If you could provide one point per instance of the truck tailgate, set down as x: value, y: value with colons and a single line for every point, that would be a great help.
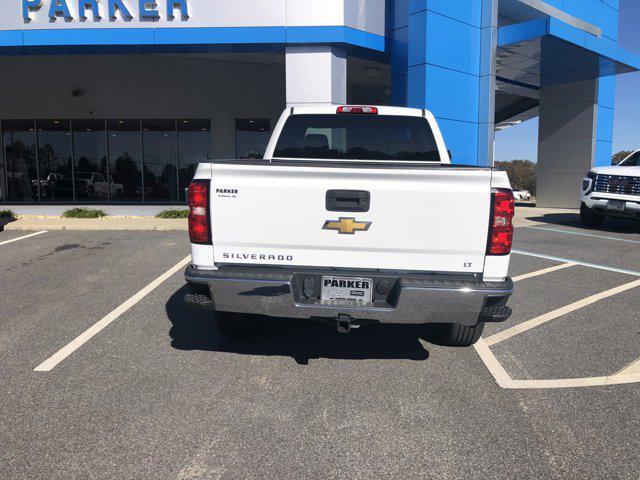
x: 419, y: 219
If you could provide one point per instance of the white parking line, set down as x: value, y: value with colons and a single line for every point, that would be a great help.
x: 547, y: 317
x: 574, y: 382
x: 578, y: 262
x: 23, y: 237
x: 544, y: 271
x: 581, y: 234
x: 632, y: 369
x: 630, y: 374
x: 496, y: 369
x: 50, y: 363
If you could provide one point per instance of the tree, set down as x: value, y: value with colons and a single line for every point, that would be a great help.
x: 618, y: 157
x: 522, y: 174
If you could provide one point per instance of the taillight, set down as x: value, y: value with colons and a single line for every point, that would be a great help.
x: 350, y: 109
x: 501, y: 227
x: 199, y: 231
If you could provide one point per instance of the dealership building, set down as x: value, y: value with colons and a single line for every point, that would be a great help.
x: 116, y: 101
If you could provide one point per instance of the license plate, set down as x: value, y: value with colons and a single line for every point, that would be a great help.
x: 616, y: 205
x: 346, y: 290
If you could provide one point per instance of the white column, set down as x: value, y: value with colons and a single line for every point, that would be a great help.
x: 316, y: 74
x: 567, y: 141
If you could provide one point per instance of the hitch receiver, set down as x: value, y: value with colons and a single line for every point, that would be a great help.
x: 344, y: 323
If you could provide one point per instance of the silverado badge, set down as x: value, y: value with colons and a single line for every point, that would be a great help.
x: 347, y: 226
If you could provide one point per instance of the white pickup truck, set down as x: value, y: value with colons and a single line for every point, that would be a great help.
x: 354, y: 215
x: 611, y: 192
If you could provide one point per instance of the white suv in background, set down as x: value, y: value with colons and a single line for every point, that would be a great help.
x: 611, y: 192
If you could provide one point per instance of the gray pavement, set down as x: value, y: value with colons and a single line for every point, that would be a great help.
x: 609, y: 252
x: 160, y: 393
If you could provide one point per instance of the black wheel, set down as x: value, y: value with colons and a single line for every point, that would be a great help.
x: 236, y: 324
x: 589, y: 218
x: 455, y: 335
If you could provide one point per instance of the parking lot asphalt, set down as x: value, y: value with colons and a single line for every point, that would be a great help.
x: 159, y: 393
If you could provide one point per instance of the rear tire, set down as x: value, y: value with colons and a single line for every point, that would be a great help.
x: 236, y: 324
x: 456, y: 335
x: 589, y: 218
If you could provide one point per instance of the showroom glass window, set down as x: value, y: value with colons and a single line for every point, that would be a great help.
x: 54, y: 160
x: 252, y: 137
x: 113, y: 160
x: 159, y: 145
x: 21, y: 170
x: 125, y: 160
x: 90, y: 160
x: 194, y: 146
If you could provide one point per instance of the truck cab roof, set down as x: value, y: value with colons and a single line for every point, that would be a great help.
x: 325, y: 109
x: 324, y: 131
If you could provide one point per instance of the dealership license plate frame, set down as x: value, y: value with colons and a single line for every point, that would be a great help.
x: 337, y: 295
x: 616, y: 205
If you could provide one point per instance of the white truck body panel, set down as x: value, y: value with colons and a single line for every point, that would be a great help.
x: 424, y: 216
x: 431, y: 219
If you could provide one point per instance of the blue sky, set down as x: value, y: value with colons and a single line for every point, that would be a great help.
x: 521, y: 142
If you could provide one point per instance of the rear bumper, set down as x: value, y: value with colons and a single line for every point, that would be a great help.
x: 407, y: 299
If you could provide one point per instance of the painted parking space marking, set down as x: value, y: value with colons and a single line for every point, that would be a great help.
x: 560, y: 312
x: 582, y: 234
x: 635, y: 273
x: 632, y: 369
x: 630, y: 374
x: 51, y: 362
x: 504, y: 380
x: 627, y: 375
x: 23, y: 237
x: 544, y: 271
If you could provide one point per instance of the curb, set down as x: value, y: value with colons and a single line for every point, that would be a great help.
x: 28, y: 223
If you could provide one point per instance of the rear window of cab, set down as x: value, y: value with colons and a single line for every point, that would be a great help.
x: 357, y: 137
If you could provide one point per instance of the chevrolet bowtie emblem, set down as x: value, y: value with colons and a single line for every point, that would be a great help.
x: 347, y: 226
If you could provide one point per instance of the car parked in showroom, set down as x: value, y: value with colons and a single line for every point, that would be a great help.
x: 611, y: 192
